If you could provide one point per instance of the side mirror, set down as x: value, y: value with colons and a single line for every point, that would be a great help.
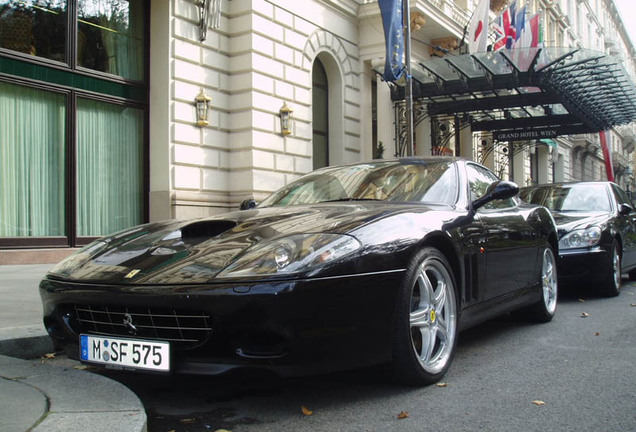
x: 498, y: 190
x: 248, y: 204
x: 624, y: 209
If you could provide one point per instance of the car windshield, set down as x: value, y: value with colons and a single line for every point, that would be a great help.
x: 570, y: 198
x: 430, y: 182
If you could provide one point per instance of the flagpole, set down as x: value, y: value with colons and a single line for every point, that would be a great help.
x: 409, y: 79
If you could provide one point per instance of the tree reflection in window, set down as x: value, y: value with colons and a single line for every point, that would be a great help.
x: 34, y: 27
x: 110, y: 37
x: 425, y: 182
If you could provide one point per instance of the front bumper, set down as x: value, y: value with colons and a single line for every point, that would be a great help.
x: 288, y: 327
x: 587, y: 266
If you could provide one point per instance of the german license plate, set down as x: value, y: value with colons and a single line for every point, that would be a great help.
x: 125, y: 353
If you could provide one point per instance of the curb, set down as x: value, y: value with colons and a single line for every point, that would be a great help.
x: 27, y: 342
x: 47, y: 398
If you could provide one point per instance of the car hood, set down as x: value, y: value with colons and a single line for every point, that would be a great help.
x: 195, y: 251
x: 569, y: 221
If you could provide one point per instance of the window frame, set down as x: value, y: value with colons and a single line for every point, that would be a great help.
x: 70, y: 63
x: 73, y: 81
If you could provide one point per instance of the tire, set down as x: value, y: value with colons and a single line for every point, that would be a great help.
x: 612, y: 284
x: 544, y: 310
x: 425, y: 329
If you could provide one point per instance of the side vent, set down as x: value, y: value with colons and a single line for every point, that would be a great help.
x: 201, y: 231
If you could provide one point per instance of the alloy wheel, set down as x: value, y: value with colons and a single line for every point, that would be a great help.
x: 616, y: 266
x: 549, y: 281
x: 433, y: 316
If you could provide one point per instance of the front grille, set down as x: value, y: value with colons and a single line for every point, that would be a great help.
x: 184, y: 329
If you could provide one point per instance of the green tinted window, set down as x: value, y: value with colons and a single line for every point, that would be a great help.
x: 34, y: 27
x: 110, y: 37
x: 109, y: 167
x: 32, y: 162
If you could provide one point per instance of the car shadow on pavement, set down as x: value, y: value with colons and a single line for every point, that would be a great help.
x: 576, y: 292
x: 249, y: 398
x: 193, y: 403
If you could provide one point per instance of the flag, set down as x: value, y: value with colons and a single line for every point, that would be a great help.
x: 530, y: 35
x: 499, y: 29
x: 520, y: 24
x: 502, y: 27
x: 478, y: 28
x: 391, y: 11
x: 535, y: 28
x: 511, y: 30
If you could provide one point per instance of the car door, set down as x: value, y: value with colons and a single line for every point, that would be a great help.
x: 627, y: 226
x: 511, y: 246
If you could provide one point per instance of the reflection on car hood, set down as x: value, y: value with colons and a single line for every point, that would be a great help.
x: 195, y: 251
x: 569, y: 221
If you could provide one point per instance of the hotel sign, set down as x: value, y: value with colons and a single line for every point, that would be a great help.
x: 527, y: 135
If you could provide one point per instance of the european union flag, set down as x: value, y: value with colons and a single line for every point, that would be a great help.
x: 391, y: 11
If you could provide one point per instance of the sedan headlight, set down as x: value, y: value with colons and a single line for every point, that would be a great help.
x: 291, y: 254
x: 581, y: 238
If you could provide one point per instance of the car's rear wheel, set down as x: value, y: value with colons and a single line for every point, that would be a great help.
x: 612, y: 284
x: 425, y: 333
x: 545, y: 308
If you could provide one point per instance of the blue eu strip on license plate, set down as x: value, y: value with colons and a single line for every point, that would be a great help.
x: 122, y: 352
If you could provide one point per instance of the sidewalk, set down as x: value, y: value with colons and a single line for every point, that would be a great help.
x: 35, y: 396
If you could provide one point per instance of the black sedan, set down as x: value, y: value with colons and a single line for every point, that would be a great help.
x: 597, y: 231
x: 364, y: 264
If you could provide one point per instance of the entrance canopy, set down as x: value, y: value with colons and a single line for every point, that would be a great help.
x: 525, y: 94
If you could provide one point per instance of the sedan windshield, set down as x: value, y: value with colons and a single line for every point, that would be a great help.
x: 430, y: 182
x: 570, y: 198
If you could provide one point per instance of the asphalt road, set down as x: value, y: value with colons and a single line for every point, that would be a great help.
x: 577, y: 373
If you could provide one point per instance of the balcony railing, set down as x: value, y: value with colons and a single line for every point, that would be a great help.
x: 449, y: 7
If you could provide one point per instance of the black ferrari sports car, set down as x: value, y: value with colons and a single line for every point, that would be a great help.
x: 364, y: 264
x: 597, y: 231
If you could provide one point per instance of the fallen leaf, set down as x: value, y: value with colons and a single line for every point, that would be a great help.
x: 306, y: 411
x: 188, y: 420
x: 442, y: 384
x: 80, y: 367
x: 585, y: 315
x: 582, y: 300
x: 49, y: 356
x: 538, y: 402
x: 597, y: 334
x: 633, y: 305
x: 403, y: 415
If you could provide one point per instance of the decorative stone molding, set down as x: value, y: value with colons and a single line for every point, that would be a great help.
x: 448, y: 45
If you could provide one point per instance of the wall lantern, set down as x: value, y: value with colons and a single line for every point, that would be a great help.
x: 285, y: 119
x: 209, y: 16
x: 202, y: 104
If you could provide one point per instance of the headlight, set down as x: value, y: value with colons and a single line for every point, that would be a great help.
x: 291, y: 254
x: 581, y: 238
x: 71, y: 263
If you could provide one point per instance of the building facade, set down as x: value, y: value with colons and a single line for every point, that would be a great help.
x: 98, y: 123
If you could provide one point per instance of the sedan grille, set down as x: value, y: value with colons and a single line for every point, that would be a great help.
x: 186, y: 329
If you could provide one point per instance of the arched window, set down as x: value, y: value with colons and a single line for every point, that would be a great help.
x: 320, y: 107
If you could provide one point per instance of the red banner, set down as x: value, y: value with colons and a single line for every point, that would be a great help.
x: 607, y: 156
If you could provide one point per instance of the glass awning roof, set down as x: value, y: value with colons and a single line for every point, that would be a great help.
x: 565, y: 90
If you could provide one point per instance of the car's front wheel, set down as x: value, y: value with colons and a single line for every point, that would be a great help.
x: 612, y: 284
x: 544, y: 309
x: 425, y: 333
